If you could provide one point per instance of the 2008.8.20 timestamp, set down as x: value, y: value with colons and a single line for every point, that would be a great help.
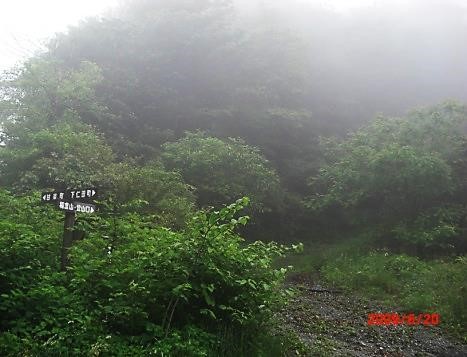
x: 411, y: 319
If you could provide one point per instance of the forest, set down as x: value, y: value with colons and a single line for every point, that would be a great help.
x: 250, y: 162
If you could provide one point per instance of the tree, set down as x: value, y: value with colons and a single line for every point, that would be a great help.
x: 47, y: 115
x: 63, y: 156
x: 177, y: 66
x: 400, y: 176
x: 51, y: 117
x: 148, y: 190
x: 43, y: 93
x: 223, y: 170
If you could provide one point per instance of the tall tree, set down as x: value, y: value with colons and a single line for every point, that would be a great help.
x: 401, y: 177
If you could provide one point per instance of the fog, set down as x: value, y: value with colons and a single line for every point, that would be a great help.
x: 26, y: 24
x: 354, y: 58
x: 384, y: 56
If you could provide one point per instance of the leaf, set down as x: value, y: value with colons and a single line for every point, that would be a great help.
x: 207, y: 296
x: 209, y: 313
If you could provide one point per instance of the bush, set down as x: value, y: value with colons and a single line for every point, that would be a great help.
x: 135, y: 288
x: 222, y: 170
x: 438, y: 229
x: 402, y: 178
x: 144, y: 273
x: 148, y: 189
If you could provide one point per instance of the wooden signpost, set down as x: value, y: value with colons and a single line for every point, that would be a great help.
x: 67, y: 200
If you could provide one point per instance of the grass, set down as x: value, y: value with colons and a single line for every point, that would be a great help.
x: 275, y: 340
x: 406, y: 282
x: 318, y: 254
x: 412, y: 284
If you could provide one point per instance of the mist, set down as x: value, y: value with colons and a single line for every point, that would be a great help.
x: 388, y: 57
x: 350, y: 62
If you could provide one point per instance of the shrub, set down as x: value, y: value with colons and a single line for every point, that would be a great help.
x: 133, y: 287
x: 144, y: 273
x: 222, y: 170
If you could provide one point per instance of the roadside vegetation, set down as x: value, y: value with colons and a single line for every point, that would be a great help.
x: 399, y: 186
x: 402, y: 283
x: 136, y: 288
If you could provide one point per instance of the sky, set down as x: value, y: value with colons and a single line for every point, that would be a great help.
x: 26, y: 24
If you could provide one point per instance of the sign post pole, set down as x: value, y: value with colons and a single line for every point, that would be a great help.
x: 67, y: 238
x: 66, y: 201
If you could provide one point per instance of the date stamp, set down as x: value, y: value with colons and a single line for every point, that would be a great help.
x: 392, y: 318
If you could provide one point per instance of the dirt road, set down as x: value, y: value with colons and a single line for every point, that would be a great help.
x: 333, y: 323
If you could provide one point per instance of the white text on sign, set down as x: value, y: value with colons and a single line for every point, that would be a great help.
x: 82, y: 193
x: 84, y: 208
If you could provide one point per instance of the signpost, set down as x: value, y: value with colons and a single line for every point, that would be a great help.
x: 66, y: 200
x: 85, y: 194
x: 50, y: 197
x: 67, y: 238
x: 84, y: 207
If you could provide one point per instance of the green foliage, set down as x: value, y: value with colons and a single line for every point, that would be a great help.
x: 202, y: 273
x: 198, y: 66
x: 402, y: 177
x: 432, y: 129
x: 33, y: 299
x: 113, y: 117
x: 148, y: 190
x: 29, y: 243
x: 46, y: 116
x: 50, y: 115
x: 438, y: 228
x: 43, y: 93
x: 394, y: 178
x: 222, y: 170
x: 62, y: 156
x: 318, y: 254
x: 133, y: 287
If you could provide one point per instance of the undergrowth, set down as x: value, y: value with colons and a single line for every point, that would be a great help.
x: 409, y: 283
x: 134, y: 288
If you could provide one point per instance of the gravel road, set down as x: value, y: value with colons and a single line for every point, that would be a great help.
x: 333, y: 323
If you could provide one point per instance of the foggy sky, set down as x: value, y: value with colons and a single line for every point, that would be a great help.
x: 396, y: 54
x: 26, y: 24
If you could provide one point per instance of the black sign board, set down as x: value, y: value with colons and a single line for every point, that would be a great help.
x: 82, y: 194
x: 76, y: 207
x: 66, y: 200
x: 66, y: 206
x: 84, y: 207
x: 52, y: 196
x: 69, y: 195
